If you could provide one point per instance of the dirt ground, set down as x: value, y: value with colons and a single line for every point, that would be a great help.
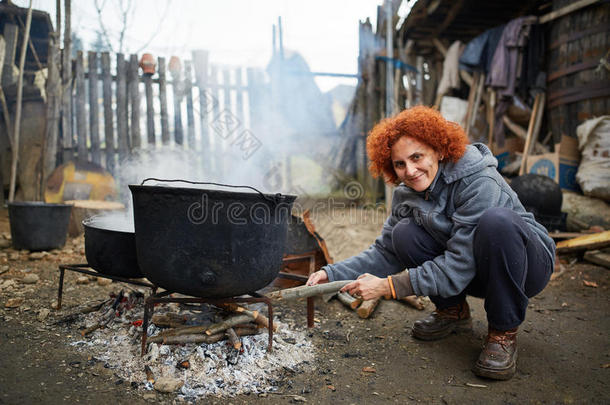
x: 564, y: 350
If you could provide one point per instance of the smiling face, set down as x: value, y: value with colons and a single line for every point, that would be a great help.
x: 415, y: 163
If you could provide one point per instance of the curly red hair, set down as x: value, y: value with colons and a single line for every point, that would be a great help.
x: 422, y: 123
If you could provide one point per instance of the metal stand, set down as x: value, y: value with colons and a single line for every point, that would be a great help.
x: 84, y: 269
x: 149, y: 308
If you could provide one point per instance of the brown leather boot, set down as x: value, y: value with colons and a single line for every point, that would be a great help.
x: 498, y: 359
x: 442, y: 322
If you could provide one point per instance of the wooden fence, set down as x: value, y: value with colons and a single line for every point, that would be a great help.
x: 110, y: 109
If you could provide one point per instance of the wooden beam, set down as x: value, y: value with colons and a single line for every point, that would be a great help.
x: 533, y: 129
x: 453, y: 12
x: 566, y: 10
x: 588, y: 242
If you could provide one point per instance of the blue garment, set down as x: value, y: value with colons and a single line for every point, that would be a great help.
x: 479, y: 52
x: 449, y: 211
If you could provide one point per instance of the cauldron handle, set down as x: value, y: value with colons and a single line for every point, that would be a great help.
x: 277, y: 199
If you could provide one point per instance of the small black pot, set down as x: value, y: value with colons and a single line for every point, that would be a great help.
x: 37, y: 225
x: 111, y: 251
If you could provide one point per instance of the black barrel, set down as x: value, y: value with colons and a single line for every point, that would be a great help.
x: 110, y: 249
x: 209, y: 243
x: 37, y: 225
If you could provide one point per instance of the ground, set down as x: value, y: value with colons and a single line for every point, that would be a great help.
x: 564, y: 351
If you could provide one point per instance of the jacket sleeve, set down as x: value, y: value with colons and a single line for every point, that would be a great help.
x: 448, y: 274
x: 379, y: 259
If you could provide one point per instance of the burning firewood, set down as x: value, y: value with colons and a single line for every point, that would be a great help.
x: 107, y: 316
x: 233, y: 338
x: 200, y: 338
x: 227, y: 323
x: 169, y: 320
x: 84, y: 310
x: 257, y: 316
x: 308, y: 291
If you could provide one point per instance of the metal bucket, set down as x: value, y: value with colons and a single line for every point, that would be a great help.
x: 37, y: 225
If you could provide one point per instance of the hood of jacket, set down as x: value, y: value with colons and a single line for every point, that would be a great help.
x: 476, y: 158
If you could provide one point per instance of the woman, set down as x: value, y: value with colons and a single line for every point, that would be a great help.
x: 456, y: 229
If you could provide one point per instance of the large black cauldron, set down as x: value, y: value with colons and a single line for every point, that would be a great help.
x: 209, y: 243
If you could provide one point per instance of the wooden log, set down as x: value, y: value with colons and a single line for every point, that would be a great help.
x: 227, y: 323
x: 367, y: 307
x: 71, y: 317
x: 163, y: 102
x: 133, y: 88
x: 259, y: 318
x: 522, y: 133
x: 348, y: 300
x: 533, y: 129
x: 169, y: 320
x: 199, y: 338
x: 190, y: 116
x: 588, y: 242
x: 413, y: 301
x: 108, y: 116
x: 601, y: 258
x: 121, y: 107
x: 233, y: 338
x: 308, y: 291
x: 66, y: 85
x: 178, y: 93
x: 81, y: 109
x: 94, y: 109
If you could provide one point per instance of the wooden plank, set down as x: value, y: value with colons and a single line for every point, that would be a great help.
x: 200, y: 64
x: 66, y: 84
x: 178, y: 93
x: 11, y: 34
x: 53, y: 89
x: 601, y: 258
x: 190, y: 116
x: 94, y: 109
x: 163, y: 102
x: 81, y: 109
x: 471, y: 99
x: 533, y: 129
x: 121, y: 105
x: 566, y: 10
x: 150, y: 111
x: 588, y: 242
x: 134, y: 101
x: 108, y: 117
x: 450, y: 16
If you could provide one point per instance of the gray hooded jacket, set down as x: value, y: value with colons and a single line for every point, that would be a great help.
x: 449, y: 211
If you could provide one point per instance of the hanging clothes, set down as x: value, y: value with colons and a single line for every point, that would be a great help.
x: 504, y: 67
x: 451, y: 71
x: 533, y: 75
x: 479, y: 52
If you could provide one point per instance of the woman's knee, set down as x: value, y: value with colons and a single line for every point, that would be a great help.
x: 497, y: 221
x: 412, y: 244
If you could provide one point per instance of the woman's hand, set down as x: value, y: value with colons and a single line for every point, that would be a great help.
x: 318, y: 277
x: 368, y: 287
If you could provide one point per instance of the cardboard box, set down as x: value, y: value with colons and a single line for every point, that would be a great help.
x: 508, y: 153
x: 560, y: 165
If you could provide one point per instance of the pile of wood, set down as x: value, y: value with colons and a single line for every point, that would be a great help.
x: 241, y: 322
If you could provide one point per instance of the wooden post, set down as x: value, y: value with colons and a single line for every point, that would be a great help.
x: 190, y: 116
x: 94, y: 109
x: 81, y: 109
x: 215, y: 151
x: 66, y: 75
x: 17, y: 126
x: 178, y: 92
x: 134, y: 101
x: 533, y: 129
x: 11, y: 34
x: 471, y: 99
x: 200, y: 63
x: 150, y: 111
x: 52, y: 128
x: 121, y: 106
x: 108, y: 117
x: 163, y: 102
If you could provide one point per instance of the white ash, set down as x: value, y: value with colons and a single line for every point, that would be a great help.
x: 215, y: 369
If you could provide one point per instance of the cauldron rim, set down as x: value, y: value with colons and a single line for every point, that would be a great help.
x: 37, y: 204
x: 195, y: 191
x: 90, y: 223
